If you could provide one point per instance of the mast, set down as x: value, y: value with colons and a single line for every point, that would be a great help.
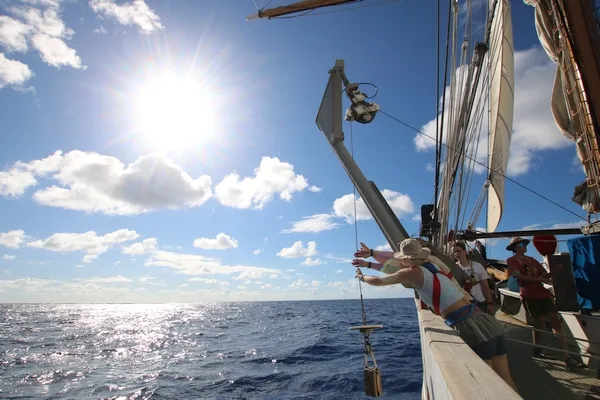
x: 300, y: 6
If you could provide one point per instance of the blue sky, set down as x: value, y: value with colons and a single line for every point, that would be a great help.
x: 167, y: 151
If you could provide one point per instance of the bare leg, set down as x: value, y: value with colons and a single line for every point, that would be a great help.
x: 500, y: 365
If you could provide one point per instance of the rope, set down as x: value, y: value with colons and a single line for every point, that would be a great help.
x: 366, y: 334
x: 486, y: 167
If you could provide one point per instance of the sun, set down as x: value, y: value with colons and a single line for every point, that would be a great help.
x: 173, y: 113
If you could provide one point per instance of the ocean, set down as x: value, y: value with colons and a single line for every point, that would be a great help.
x: 244, y: 350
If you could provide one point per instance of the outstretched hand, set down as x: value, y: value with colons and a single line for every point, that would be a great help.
x: 360, y: 263
x: 363, y: 252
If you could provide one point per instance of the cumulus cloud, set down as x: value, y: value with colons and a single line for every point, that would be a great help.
x: 272, y: 177
x: 88, y: 242
x: 221, y: 242
x: 343, y: 208
x: 135, y: 12
x: 209, y: 281
x: 534, y: 130
x: 298, y: 250
x: 314, y: 223
x: 257, y: 251
x: 8, y: 257
x: 12, y: 239
x: 310, y: 262
x: 195, y: 264
x: 37, y: 25
x: 98, y: 183
x: 13, y: 73
x: 144, y: 247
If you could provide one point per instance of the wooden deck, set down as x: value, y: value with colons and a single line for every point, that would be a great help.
x: 539, y: 378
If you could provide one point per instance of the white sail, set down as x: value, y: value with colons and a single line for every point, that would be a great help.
x: 502, y: 81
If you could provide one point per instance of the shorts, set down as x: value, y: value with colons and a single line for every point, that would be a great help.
x: 492, y: 348
x: 539, y: 307
x: 482, y: 305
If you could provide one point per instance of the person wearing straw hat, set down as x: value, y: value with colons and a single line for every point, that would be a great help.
x: 482, y: 332
x: 537, y: 300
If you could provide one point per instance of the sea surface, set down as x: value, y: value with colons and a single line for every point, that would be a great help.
x: 253, y: 350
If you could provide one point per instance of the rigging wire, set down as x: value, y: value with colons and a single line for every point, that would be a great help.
x: 437, y: 114
x: 486, y: 167
x: 265, y: 6
x: 310, y: 13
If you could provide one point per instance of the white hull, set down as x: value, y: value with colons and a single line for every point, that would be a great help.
x: 451, y: 370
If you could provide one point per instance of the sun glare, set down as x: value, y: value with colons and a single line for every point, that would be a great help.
x: 173, y: 113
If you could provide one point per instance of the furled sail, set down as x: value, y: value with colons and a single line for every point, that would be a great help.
x: 502, y: 81
x: 570, y: 102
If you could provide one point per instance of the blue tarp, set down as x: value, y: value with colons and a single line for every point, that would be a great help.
x: 585, y: 252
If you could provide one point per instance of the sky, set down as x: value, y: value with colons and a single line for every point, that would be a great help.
x: 162, y: 151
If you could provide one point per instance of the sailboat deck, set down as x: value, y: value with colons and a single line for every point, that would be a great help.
x: 546, y: 379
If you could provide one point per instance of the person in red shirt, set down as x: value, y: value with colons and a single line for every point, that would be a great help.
x: 536, y: 299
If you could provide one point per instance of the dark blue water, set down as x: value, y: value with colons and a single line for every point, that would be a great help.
x: 270, y: 350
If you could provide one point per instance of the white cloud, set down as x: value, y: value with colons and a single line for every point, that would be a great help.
x: 88, y: 242
x: 314, y: 223
x: 8, y: 257
x: 111, y: 289
x: 257, y: 251
x: 298, y: 250
x: 97, y: 183
x: 569, y: 225
x: 343, y: 207
x: 270, y: 178
x: 416, y: 218
x: 534, y: 130
x: 195, y: 264
x: 299, y: 283
x: 13, y: 34
x: 14, y: 73
x: 55, y: 52
x: 100, y: 30
x: 339, y: 271
x: 12, y: 239
x: 311, y: 262
x: 384, y: 247
x: 37, y: 24
x: 209, y: 281
x: 144, y: 247
x: 315, y: 189
x: 339, y: 260
x: 111, y: 279
x: 221, y: 242
x: 135, y: 12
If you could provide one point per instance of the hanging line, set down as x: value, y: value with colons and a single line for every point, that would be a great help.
x: 362, y: 303
x: 366, y: 333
